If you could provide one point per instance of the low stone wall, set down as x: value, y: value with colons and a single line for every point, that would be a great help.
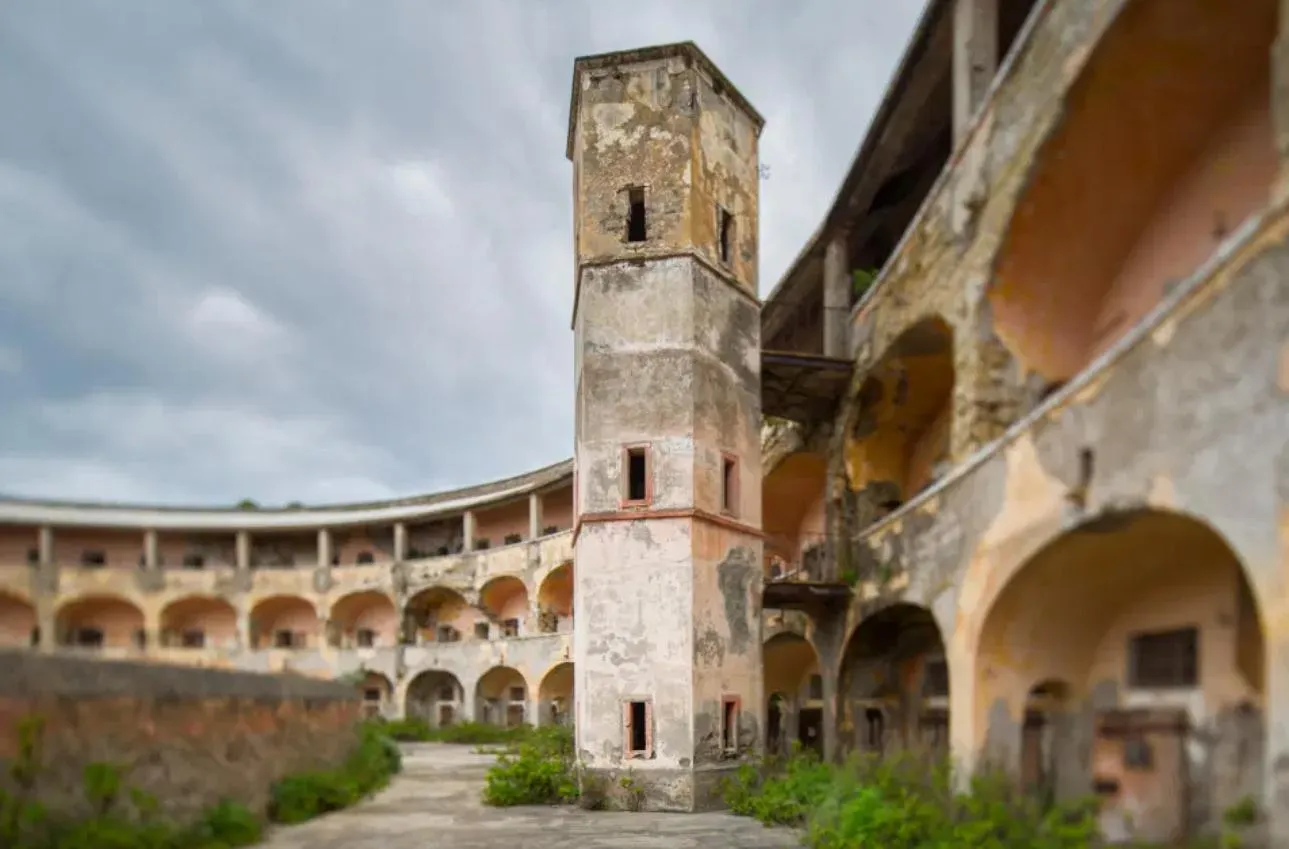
x: 187, y: 736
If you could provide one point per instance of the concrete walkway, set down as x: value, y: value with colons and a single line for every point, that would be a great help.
x: 435, y: 802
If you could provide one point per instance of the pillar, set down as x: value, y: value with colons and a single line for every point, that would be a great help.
x: 1275, y: 802
x: 151, y: 555
x: 324, y: 548
x: 975, y: 59
x: 243, y: 551
x: 400, y: 542
x: 837, y: 289
x: 1280, y: 101
x: 467, y: 529
x: 534, y: 515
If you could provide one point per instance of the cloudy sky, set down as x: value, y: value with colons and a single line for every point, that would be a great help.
x: 319, y: 250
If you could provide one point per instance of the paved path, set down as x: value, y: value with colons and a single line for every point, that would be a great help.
x: 435, y: 803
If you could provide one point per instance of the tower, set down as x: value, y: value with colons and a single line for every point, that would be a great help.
x: 667, y: 656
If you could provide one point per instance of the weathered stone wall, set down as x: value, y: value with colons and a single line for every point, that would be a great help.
x: 188, y: 737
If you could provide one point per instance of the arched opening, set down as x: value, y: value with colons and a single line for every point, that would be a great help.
x: 284, y: 622
x: 898, y: 442
x: 377, y: 693
x: 101, y: 622
x: 17, y: 621
x: 791, y: 669
x: 894, y: 685
x: 363, y: 620
x: 1148, y: 620
x: 505, y: 601
x: 1146, y: 174
x: 438, y: 615
x: 435, y: 697
x: 199, y: 622
x: 501, y: 698
x: 792, y: 498
x: 555, y: 601
x: 555, y: 696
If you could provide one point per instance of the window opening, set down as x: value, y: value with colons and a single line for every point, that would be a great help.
x: 637, y: 728
x: 636, y: 230
x: 729, y: 724
x: 725, y: 233
x: 366, y: 638
x: 481, y: 630
x: 194, y: 639
x: 729, y: 484
x: 637, y: 474
x: 365, y: 558
x: 1164, y: 659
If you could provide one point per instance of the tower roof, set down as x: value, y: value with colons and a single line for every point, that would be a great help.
x: 687, y: 49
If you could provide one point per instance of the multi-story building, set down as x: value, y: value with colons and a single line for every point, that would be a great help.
x: 1024, y: 487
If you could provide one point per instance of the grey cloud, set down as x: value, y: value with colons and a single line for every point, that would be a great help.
x: 320, y: 250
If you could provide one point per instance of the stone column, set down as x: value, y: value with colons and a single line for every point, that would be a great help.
x: 151, y: 554
x: 324, y: 548
x: 467, y: 529
x: 242, y: 554
x: 837, y: 289
x: 534, y: 515
x: 975, y: 58
x: 244, y: 628
x: 1275, y: 801
x: 400, y: 542
x: 46, y: 589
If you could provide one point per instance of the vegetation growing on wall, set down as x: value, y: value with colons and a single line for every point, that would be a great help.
x: 123, y: 817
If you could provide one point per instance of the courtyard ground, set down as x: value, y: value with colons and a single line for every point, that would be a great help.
x: 435, y: 802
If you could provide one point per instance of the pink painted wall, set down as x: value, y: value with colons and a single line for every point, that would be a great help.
x: 220, y: 550
x: 278, y: 614
x: 116, y: 618
x: 17, y: 618
x: 1227, y: 182
x: 495, y: 523
x: 557, y: 508
x: 355, y: 613
x: 350, y: 542
x: 300, y: 549
x: 215, y: 618
x: 123, y: 548
x: 506, y: 598
x: 15, y: 542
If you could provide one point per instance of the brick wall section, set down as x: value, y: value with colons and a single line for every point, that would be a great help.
x: 187, y: 736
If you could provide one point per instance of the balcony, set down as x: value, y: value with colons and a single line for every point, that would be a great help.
x: 799, y: 575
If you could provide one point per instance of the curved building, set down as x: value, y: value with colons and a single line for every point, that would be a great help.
x: 1020, y: 494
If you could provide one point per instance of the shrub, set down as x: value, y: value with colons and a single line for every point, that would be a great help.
x: 901, y: 803
x: 476, y: 733
x: 306, y: 795
x: 536, y: 771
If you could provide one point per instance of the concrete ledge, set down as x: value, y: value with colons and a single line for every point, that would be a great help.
x: 26, y: 674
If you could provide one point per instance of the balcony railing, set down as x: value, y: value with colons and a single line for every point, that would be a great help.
x: 800, y: 558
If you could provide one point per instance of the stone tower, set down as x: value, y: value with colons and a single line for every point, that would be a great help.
x: 667, y: 672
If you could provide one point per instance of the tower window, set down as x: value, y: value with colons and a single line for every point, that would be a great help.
x: 638, y: 735
x: 729, y: 484
x: 636, y: 230
x: 724, y: 233
x: 729, y: 724
x: 636, y: 475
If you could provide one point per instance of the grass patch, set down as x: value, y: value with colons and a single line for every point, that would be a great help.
x: 123, y: 817
x: 902, y: 803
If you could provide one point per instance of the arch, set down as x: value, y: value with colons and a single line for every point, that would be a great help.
x: 894, y: 683
x: 377, y: 692
x: 501, y: 697
x: 196, y: 622
x: 505, y: 600
x: 1140, y: 180
x: 792, y: 497
x: 792, y: 674
x: 555, y: 600
x: 284, y: 622
x: 439, y: 614
x: 100, y: 621
x: 17, y: 621
x: 898, y: 440
x: 1148, y: 620
x: 363, y: 619
x: 436, y: 697
x: 555, y: 695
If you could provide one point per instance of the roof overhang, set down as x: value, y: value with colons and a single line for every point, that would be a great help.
x: 803, y: 388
